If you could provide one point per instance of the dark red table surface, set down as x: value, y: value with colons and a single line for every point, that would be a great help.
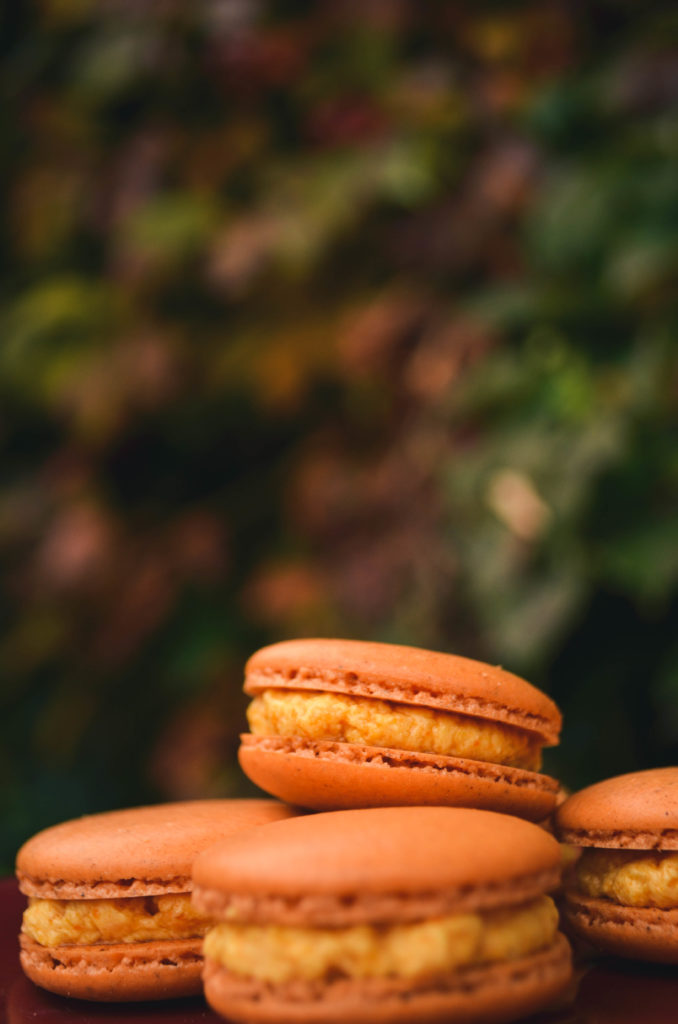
x: 607, y: 992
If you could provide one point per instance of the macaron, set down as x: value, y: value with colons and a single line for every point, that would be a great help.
x: 340, y: 724
x: 387, y: 914
x: 110, y: 914
x: 623, y: 894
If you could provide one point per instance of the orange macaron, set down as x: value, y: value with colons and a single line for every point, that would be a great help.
x: 344, y: 724
x: 110, y: 914
x: 623, y: 894
x: 391, y: 914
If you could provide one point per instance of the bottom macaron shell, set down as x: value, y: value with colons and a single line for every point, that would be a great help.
x: 326, y: 776
x: 641, y: 933
x: 120, y: 972
x: 490, y: 994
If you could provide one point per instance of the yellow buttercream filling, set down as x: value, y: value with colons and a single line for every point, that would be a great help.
x: 634, y: 878
x: 379, y: 723
x: 136, y: 919
x: 278, y: 954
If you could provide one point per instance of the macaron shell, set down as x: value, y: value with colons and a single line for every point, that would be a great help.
x: 119, y: 972
x: 403, y: 850
x: 409, y: 675
x: 642, y: 933
x: 487, y: 995
x: 636, y: 811
x: 142, y: 851
x: 333, y: 776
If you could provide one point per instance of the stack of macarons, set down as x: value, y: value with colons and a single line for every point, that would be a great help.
x: 418, y: 893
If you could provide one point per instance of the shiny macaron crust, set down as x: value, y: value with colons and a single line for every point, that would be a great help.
x: 110, y: 916
x: 386, y: 914
x: 623, y: 896
x: 340, y: 724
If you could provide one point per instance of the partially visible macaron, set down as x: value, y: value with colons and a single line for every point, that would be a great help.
x: 110, y: 914
x: 348, y: 724
x: 623, y: 895
x: 394, y: 914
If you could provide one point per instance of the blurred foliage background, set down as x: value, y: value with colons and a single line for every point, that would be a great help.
x: 331, y: 318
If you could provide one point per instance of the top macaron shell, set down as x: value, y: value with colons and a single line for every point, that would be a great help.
x: 465, y: 857
x: 142, y: 851
x: 408, y: 675
x: 635, y: 811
